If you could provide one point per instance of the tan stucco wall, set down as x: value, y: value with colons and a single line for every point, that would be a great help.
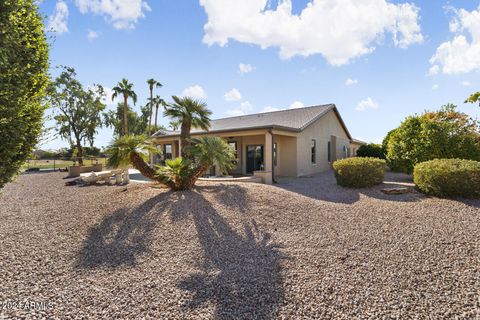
x: 321, y: 130
x: 354, y: 148
x: 287, y: 156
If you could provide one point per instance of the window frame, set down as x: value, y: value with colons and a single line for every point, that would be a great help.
x: 165, y: 153
x: 329, y: 151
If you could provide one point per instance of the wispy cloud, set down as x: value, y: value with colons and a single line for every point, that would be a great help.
x: 367, y: 104
x: 58, y: 22
x: 194, y: 91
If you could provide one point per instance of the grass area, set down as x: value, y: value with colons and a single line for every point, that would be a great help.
x: 50, y: 164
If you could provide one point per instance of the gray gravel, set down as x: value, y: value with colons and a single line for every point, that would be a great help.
x: 302, y: 249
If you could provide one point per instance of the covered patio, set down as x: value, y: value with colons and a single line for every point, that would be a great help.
x: 262, y: 152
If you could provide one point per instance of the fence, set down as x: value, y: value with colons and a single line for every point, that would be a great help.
x: 56, y: 164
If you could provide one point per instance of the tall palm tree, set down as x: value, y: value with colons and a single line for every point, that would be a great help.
x: 158, y: 101
x: 190, y: 113
x: 125, y: 88
x: 152, y: 83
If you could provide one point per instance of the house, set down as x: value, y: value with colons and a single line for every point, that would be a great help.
x: 354, y: 145
x: 286, y: 143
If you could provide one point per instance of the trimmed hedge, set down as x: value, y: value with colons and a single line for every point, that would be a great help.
x: 359, y: 172
x: 448, y: 178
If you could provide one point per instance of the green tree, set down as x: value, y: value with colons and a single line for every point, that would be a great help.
x: 371, y: 150
x: 23, y: 81
x: 125, y: 88
x: 152, y: 83
x: 474, y: 98
x: 137, y: 123
x: 433, y: 135
x: 180, y: 173
x: 77, y: 110
x: 158, y: 101
x: 189, y: 113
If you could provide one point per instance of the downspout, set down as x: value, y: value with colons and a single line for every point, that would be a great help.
x: 273, y: 156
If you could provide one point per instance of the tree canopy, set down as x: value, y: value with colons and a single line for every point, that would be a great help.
x: 78, y: 111
x: 23, y: 81
x: 446, y: 133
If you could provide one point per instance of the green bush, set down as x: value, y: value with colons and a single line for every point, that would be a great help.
x: 443, y: 134
x: 23, y: 80
x: 359, y: 172
x: 448, y: 178
x: 370, y: 150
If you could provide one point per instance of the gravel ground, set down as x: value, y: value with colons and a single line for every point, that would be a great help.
x: 302, y: 249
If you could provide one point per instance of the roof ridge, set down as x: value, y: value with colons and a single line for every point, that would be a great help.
x: 277, y: 111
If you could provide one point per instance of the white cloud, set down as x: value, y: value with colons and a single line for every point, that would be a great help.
x: 270, y: 109
x: 245, y: 68
x: 123, y: 14
x: 466, y: 83
x: 233, y: 95
x: 367, y: 104
x: 434, y: 70
x: 92, y: 35
x: 338, y: 30
x: 351, y: 82
x: 435, y: 87
x: 195, y: 91
x: 58, y: 23
x: 296, y: 105
x: 462, y: 53
x: 244, y: 108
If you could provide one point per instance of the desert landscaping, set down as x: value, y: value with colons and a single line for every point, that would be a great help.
x: 303, y: 248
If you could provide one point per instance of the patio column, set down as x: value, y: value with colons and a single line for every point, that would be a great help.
x: 268, y: 160
x: 179, y: 147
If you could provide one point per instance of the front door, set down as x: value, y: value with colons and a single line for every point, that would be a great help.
x: 254, y: 158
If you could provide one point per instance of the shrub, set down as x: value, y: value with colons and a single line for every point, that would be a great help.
x: 433, y: 135
x: 448, y: 177
x: 371, y: 150
x: 359, y: 172
x: 23, y: 80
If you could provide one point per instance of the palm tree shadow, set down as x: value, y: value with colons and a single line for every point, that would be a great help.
x: 123, y: 236
x: 240, y: 271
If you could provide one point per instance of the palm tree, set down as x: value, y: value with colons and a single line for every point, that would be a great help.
x: 151, y: 83
x: 158, y: 101
x: 125, y: 88
x: 182, y: 174
x: 190, y: 113
x: 179, y: 173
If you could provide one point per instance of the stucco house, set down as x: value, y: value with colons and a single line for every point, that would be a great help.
x: 286, y: 143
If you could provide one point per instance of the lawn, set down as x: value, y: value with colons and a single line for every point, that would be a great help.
x: 50, y: 164
x: 302, y: 249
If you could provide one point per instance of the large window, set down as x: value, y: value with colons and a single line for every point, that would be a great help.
x: 329, y: 151
x: 314, y: 151
x: 167, y: 151
x: 275, y: 151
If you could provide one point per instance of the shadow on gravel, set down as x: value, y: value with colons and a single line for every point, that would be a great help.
x: 324, y: 187
x: 240, y: 273
x: 122, y: 236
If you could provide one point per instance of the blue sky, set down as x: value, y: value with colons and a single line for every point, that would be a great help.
x: 401, y: 57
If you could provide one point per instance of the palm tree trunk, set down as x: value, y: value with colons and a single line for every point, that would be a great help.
x: 156, y: 116
x: 151, y: 111
x: 185, y: 138
x: 147, y: 171
x: 125, y: 117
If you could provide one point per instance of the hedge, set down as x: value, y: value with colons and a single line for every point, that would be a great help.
x: 359, y: 172
x: 448, y: 178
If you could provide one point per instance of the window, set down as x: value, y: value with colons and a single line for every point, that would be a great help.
x: 345, y: 152
x: 274, y: 153
x: 329, y: 151
x: 314, y: 151
x: 167, y: 151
